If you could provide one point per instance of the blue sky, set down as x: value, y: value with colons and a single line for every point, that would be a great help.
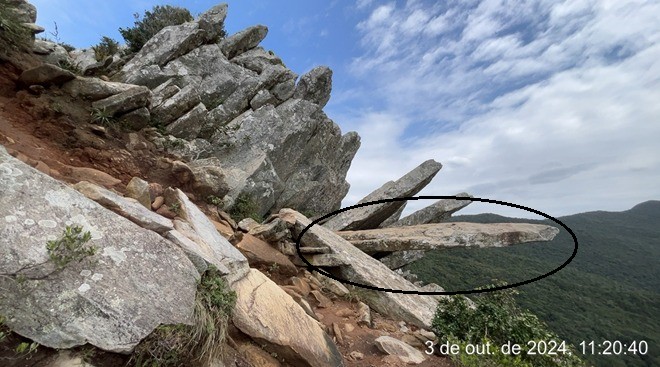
x: 549, y: 104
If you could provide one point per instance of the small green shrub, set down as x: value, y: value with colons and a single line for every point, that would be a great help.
x: 68, y: 65
x: 153, y: 21
x: 214, y: 200
x: 245, y: 207
x: 102, y: 117
x: 68, y: 47
x: 498, y: 320
x: 70, y: 247
x: 25, y: 349
x: 107, y: 47
x: 175, y: 207
x: 179, y: 345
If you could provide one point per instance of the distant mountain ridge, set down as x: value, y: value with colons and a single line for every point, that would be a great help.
x: 611, y: 290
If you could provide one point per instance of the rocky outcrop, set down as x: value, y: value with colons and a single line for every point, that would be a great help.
x: 362, y: 268
x: 269, y: 315
x: 106, y: 299
x: 271, y: 137
x: 371, y: 216
x: 442, y: 235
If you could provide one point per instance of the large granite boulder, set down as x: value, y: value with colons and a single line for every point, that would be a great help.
x: 113, y: 299
x: 270, y: 316
x: 441, y: 235
x: 371, y: 216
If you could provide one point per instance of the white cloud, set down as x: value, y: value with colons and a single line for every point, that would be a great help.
x: 547, y: 104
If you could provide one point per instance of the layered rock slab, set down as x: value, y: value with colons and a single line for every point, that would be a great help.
x: 267, y: 313
x: 211, y: 244
x: 440, y: 235
x: 412, y: 308
x: 371, y: 216
x: 113, y: 299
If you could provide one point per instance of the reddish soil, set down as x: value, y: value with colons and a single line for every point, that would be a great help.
x: 55, y: 129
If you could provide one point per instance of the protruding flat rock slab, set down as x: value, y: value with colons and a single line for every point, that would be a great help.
x: 136, y: 281
x: 439, y: 235
x: 265, y: 312
x: 411, y: 308
x: 437, y: 212
x: 372, y: 216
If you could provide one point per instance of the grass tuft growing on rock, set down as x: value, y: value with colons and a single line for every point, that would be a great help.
x: 197, y: 344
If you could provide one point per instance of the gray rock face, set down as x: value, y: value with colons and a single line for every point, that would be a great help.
x: 45, y: 75
x: 266, y: 313
x: 212, y: 22
x: 440, y: 235
x: 136, y: 119
x: 298, y: 159
x: 243, y: 41
x: 315, y: 86
x: 190, y: 124
x: 136, y: 280
x: 439, y: 211
x: 168, y: 44
x: 413, y: 309
x: 132, y: 99
x: 372, y: 216
x: 208, y: 177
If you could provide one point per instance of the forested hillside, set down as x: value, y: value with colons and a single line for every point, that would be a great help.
x: 611, y: 291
